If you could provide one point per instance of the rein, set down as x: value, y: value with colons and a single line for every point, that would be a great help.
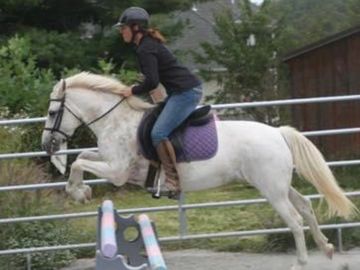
x: 60, y: 113
x: 98, y: 118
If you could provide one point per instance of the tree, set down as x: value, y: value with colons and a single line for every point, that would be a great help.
x: 247, y: 51
x: 67, y: 15
x: 308, y: 21
x: 354, y: 11
x: 53, y: 28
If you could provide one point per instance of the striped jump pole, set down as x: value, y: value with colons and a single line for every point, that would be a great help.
x: 152, y: 248
x: 108, y: 238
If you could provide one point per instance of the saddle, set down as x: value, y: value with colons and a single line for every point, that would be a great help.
x: 199, y: 120
x: 195, y: 139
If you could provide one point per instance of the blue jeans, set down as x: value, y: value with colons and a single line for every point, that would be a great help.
x: 179, y: 105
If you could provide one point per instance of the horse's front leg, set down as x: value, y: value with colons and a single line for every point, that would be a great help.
x: 75, y: 186
x: 90, y: 162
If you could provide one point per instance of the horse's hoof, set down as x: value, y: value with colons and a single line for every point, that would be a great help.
x: 87, y: 192
x: 329, y: 250
x: 84, y: 193
x: 297, y: 267
x: 81, y: 194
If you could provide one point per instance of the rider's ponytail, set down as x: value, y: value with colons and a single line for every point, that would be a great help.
x: 155, y: 34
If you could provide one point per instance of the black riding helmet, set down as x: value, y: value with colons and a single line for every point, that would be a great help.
x: 134, y: 15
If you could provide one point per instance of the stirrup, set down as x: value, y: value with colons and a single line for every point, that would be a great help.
x: 153, y: 185
x: 152, y: 174
x: 156, y: 194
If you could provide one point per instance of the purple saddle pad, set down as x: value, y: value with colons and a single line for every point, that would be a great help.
x: 195, y: 139
x: 198, y: 142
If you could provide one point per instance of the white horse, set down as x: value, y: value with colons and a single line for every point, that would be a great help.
x: 264, y: 156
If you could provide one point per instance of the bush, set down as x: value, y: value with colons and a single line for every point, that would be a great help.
x: 23, y: 86
x: 28, y: 203
x: 23, y: 235
x: 55, y: 50
x: 38, y: 234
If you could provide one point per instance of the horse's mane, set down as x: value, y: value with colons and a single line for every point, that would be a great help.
x: 103, y: 83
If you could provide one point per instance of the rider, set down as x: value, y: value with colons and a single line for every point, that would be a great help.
x: 159, y: 65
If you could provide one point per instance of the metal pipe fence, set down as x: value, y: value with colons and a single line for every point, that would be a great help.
x: 92, y: 182
x: 181, y: 208
x: 184, y: 207
x: 79, y: 150
x: 239, y: 234
x: 295, y: 101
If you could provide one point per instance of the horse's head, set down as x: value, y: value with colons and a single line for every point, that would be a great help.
x: 60, y: 123
x: 84, y: 98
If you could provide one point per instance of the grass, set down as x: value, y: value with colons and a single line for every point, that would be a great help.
x: 206, y: 220
x: 209, y: 220
x: 212, y: 220
x: 198, y: 220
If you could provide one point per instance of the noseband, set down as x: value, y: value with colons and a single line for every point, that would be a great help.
x: 60, y: 113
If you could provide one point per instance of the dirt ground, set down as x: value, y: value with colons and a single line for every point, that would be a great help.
x: 208, y: 260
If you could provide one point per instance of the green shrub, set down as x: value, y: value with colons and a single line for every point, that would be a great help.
x: 28, y: 203
x: 39, y: 234
x: 23, y: 86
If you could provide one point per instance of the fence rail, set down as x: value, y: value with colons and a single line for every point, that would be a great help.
x: 327, y: 132
x: 181, y: 208
x: 105, y: 181
x: 294, y: 101
x: 183, y: 238
x: 184, y: 207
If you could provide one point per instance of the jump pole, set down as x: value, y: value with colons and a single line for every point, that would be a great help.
x: 108, y: 238
x: 115, y: 252
x: 155, y: 258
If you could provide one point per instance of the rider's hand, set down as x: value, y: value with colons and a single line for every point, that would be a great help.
x: 126, y: 92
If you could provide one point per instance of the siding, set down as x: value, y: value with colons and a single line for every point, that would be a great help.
x: 330, y: 69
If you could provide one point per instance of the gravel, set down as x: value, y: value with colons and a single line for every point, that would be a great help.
x: 208, y: 260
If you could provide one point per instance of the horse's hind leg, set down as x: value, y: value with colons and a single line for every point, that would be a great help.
x: 294, y: 221
x: 305, y: 209
x: 273, y: 181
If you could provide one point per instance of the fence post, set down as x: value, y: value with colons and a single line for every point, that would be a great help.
x: 340, y: 241
x: 182, y: 216
x: 28, y: 261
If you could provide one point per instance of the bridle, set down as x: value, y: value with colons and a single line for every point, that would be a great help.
x: 60, y: 113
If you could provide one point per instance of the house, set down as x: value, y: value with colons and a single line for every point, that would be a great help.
x: 329, y: 67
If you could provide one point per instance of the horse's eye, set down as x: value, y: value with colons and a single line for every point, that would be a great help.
x: 52, y: 113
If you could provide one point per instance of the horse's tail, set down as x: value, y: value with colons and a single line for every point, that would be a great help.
x: 310, y: 164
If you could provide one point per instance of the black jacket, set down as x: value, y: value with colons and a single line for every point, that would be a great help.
x: 159, y: 65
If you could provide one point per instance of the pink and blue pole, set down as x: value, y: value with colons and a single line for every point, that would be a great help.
x: 108, y: 238
x: 153, y: 251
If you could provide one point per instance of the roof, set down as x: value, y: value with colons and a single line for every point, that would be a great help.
x: 322, y: 43
x: 200, y: 29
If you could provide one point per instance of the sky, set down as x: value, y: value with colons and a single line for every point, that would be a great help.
x: 257, y: 1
